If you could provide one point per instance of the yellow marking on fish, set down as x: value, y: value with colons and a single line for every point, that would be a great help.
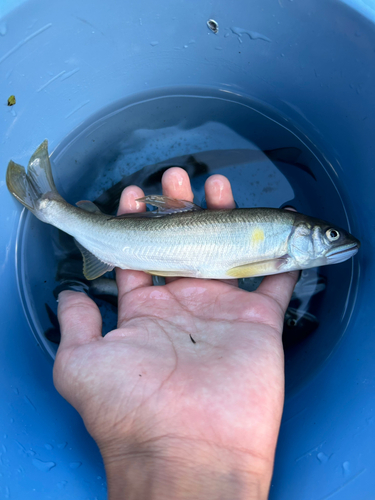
x: 257, y: 236
x: 256, y: 269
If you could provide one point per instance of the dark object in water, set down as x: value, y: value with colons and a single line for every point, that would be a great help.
x: 197, y: 164
x: 52, y: 334
x: 101, y: 288
x: 297, y: 326
x: 299, y: 322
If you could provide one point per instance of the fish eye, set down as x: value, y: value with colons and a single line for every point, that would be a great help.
x: 332, y: 234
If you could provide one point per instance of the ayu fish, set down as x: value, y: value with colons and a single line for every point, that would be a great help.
x: 180, y: 238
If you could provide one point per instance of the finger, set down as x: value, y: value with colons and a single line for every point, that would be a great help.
x: 176, y: 184
x: 219, y: 193
x: 128, y: 280
x: 80, y: 319
x: 128, y: 201
x: 279, y: 287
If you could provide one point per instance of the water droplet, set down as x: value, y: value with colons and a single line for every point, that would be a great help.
x: 140, y: 21
x: 226, y: 35
x: 61, y: 446
x: 75, y: 465
x: 62, y: 484
x: 29, y: 402
x: 22, y: 449
x: 153, y: 44
x: 253, y: 35
x: 43, y: 466
x: 282, y: 55
x: 3, y: 28
x: 7, y: 492
x: 3, y: 447
x: 186, y: 46
x: 99, y: 477
x: 346, y: 467
x: 322, y: 457
x: 48, y: 446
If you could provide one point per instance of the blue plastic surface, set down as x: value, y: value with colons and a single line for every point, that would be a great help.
x: 307, y: 65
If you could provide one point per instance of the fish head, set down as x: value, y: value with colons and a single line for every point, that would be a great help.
x: 315, y: 243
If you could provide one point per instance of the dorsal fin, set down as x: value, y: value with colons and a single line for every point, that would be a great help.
x: 92, y: 266
x: 89, y: 206
x: 168, y: 205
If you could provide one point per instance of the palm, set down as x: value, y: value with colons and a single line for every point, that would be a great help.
x: 192, y: 360
x: 236, y: 364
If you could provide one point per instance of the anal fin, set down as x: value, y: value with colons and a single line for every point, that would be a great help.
x: 174, y: 274
x: 92, y: 266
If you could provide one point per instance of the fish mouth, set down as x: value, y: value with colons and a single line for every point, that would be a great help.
x: 342, y: 253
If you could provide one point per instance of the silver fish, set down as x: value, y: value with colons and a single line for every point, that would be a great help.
x: 179, y: 238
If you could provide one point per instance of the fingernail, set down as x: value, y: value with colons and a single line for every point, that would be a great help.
x: 70, y: 285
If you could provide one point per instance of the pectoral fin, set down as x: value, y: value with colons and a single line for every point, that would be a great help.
x: 262, y: 268
x: 92, y: 266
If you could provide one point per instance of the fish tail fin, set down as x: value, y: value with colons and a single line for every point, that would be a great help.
x: 37, y: 183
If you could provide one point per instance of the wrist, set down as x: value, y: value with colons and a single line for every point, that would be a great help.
x: 172, y: 468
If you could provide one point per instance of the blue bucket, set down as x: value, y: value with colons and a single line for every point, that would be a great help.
x: 123, y: 90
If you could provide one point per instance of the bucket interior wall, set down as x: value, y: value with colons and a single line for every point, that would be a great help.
x: 114, y: 88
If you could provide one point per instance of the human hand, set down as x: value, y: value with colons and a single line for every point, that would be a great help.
x: 175, y: 418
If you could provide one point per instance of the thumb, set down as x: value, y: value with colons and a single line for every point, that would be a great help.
x: 80, y: 319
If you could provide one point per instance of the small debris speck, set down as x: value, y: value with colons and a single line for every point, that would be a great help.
x: 11, y: 100
x: 212, y: 24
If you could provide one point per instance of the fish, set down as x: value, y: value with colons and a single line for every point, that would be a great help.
x: 179, y: 238
x: 101, y: 288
